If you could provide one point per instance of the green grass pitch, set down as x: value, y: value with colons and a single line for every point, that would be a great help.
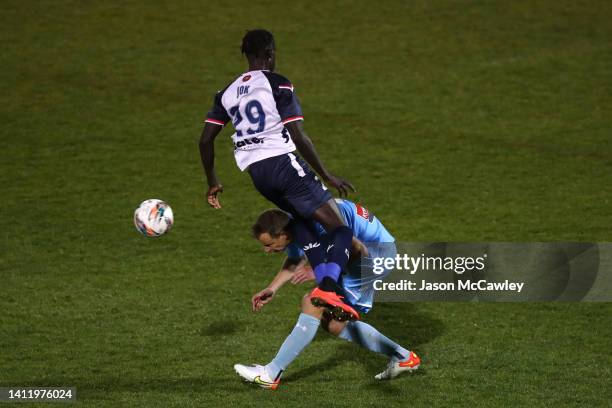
x: 456, y: 121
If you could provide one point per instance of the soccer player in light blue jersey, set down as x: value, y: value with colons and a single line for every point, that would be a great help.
x: 278, y: 231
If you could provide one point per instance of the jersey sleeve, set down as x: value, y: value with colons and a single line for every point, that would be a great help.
x: 366, y: 227
x: 217, y: 114
x: 294, y: 251
x: 287, y: 103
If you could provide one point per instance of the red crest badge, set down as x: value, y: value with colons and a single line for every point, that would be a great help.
x: 363, y: 212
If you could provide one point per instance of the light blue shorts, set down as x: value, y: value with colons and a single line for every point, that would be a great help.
x: 358, y: 283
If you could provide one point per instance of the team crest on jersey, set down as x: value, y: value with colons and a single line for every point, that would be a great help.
x: 364, y: 213
x: 246, y: 78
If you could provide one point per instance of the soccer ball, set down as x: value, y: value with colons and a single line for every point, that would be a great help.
x: 153, y: 218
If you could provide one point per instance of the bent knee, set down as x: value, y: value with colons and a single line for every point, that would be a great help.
x: 335, y: 327
x: 331, y: 325
x: 310, y: 309
x: 305, y: 300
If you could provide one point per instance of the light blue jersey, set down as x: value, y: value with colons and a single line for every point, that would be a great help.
x: 365, y: 226
x: 357, y: 285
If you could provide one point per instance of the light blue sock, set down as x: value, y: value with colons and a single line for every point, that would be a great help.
x: 301, y: 336
x: 370, y: 338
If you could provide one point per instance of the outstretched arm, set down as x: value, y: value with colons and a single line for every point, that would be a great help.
x: 308, y: 152
x: 283, y: 276
x: 207, y: 154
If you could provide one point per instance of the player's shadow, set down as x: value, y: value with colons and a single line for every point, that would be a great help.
x: 401, y: 322
x: 405, y: 323
x: 220, y: 328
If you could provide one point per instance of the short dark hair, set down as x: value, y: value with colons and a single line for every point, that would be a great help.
x: 257, y: 44
x: 274, y: 222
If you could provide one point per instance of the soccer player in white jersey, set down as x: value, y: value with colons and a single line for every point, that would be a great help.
x: 267, y: 119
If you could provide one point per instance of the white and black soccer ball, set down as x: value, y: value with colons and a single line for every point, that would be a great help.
x: 153, y: 218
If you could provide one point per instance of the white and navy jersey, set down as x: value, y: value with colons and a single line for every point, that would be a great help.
x: 259, y: 104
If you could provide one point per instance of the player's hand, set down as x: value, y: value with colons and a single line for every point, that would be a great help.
x: 302, y: 274
x: 363, y: 250
x: 212, y: 195
x: 261, y: 298
x: 340, y: 184
x: 358, y: 250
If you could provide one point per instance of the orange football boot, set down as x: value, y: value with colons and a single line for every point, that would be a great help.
x: 331, y: 300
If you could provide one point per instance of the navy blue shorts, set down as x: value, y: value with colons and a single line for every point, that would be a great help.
x: 288, y: 182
